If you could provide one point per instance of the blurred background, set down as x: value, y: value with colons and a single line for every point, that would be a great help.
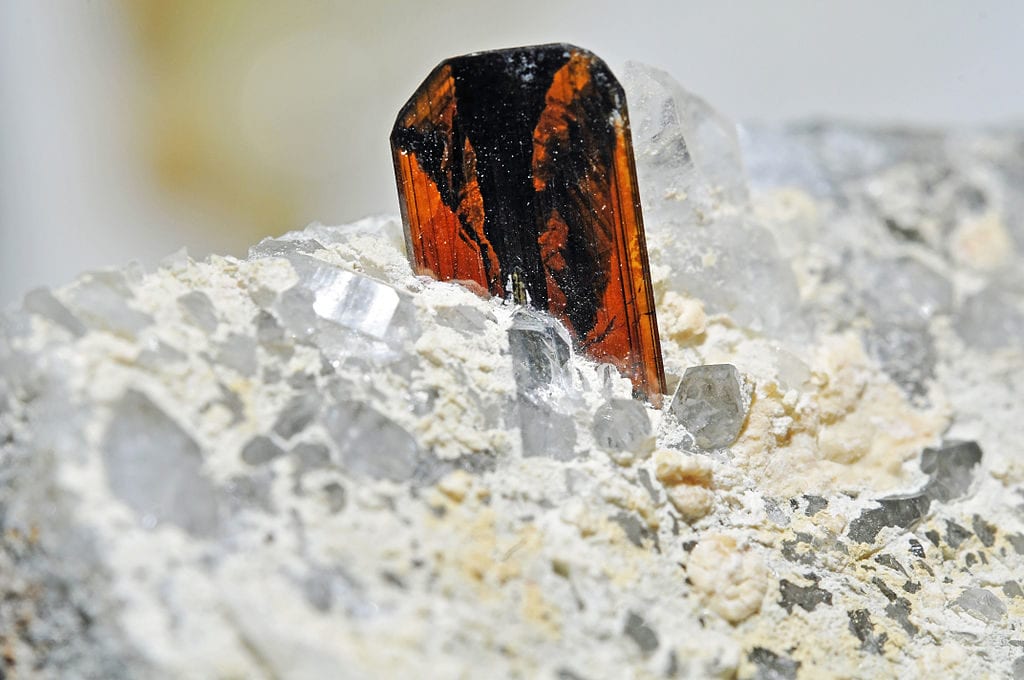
x: 131, y: 128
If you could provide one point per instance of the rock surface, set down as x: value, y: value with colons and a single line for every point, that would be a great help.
x: 311, y: 463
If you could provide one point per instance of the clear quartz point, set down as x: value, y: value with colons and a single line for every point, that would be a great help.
x: 541, y: 348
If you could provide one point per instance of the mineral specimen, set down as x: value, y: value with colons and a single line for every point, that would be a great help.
x: 515, y: 171
x: 711, y: 402
x: 314, y: 463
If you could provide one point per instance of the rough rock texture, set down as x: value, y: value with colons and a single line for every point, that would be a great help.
x: 311, y: 463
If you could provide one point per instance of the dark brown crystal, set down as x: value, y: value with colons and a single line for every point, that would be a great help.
x: 516, y: 176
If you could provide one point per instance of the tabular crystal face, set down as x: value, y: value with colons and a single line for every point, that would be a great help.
x: 515, y: 172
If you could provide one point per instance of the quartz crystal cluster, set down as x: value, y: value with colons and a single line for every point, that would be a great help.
x: 313, y: 463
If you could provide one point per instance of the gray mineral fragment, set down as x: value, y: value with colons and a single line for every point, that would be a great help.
x: 541, y: 349
x: 712, y: 404
x: 371, y: 444
x: 42, y: 302
x: 155, y: 467
x: 982, y: 604
x: 951, y: 468
x: 199, y: 310
x: 622, y: 425
x: 101, y: 301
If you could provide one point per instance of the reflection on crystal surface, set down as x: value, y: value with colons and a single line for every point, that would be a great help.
x: 345, y: 313
x: 279, y: 247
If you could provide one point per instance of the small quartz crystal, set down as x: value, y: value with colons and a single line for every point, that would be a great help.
x: 950, y: 473
x: 541, y: 348
x: 623, y: 425
x: 371, y: 444
x: 711, y: 402
x: 101, y: 301
x: 155, y: 467
x: 950, y: 468
x: 345, y: 313
x: 199, y: 310
x: 43, y: 303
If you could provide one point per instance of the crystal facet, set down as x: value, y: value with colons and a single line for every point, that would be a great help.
x: 155, y: 467
x: 371, y: 444
x: 712, y: 404
x: 515, y: 172
x: 541, y: 349
x: 695, y: 207
x: 623, y: 425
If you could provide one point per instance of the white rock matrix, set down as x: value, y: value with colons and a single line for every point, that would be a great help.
x: 313, y: 464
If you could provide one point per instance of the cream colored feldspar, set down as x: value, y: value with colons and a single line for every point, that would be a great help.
x: 687, y: 480
x: 682, y: 318
x: 851, y: 427
x: 982, y: 243
x: 730, y: 576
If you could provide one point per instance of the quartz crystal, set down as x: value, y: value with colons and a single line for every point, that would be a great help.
x: 689, y: 155
x: 541, y: 350
x: 199, y: 310
x: 370, y: 444
x: 950, y: 469
x: 102, y: 300
x: 155, y: 467
x: 711, y: 402
x: 982, y: 603
x: 43, y: 303
x: 992, y: 318
x: 623, y: 425
x: 346, y: 312
x: 695, y: 207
